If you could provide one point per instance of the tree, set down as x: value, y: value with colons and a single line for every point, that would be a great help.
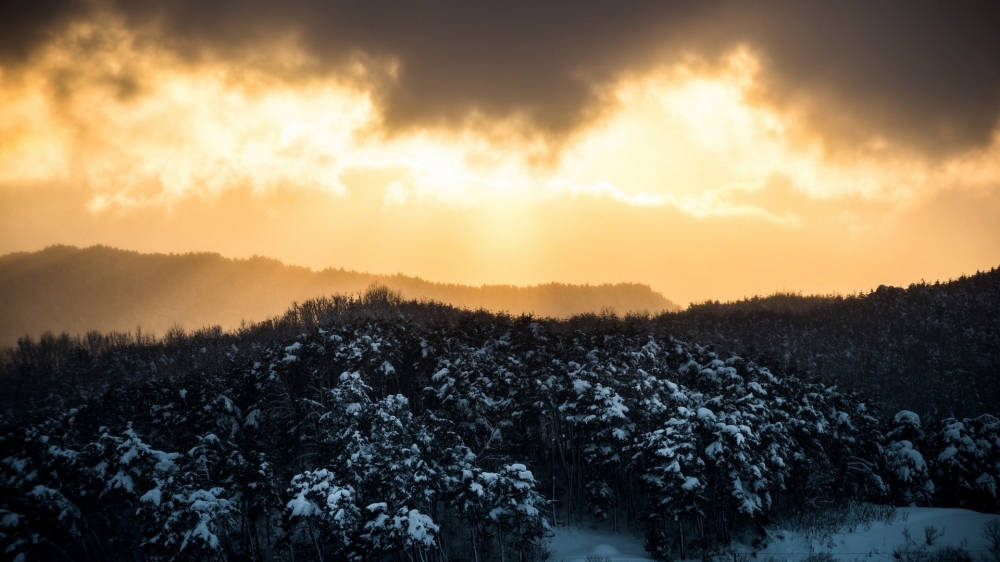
x: 674, y: 475
x: 908, y: 474
x: 320, y: 505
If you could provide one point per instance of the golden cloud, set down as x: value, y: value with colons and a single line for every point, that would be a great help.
x: 137, y: 125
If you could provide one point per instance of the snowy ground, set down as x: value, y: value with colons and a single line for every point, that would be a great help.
x: 574, y: 544
x: 961, y: 528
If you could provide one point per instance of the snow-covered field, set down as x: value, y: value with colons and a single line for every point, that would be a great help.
x: 573, y: 544
x: 877, y: 541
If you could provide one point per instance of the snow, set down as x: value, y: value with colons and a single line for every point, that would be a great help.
x: 906, y: 457
x: 987, y: 482
x: 690, y: 483
x: 129, y: 455
x: 907, y: 416
x: 947, y: 453
x: 165, y: 461
x: 10, y: 519
x: 713, y: 450
x: 290, y: 353
x: 575, y: 544
x: 420, y: 528
x: 61, y: 452
x: 121, y: 480
x: 253, y: 418
x: 954, y: 431
x: 153, y: 495
x: 201, y: 532
x: 205, y: 500
x: 962, y: 528
x: 16, y: 463
x: 300, y: 506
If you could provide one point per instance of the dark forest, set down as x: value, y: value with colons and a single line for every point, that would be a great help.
x: 373, y: 427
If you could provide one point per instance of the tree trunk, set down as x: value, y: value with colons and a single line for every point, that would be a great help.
x: 553, y: 465
x: 680, y: 529
x: 319, y: 549
x: 475, y: 552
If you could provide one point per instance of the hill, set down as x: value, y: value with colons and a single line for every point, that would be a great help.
x: 373, y: 428
x: 67, y: 289
x: 934, y: 347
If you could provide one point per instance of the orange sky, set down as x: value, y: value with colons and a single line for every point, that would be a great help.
x: 698, y: 173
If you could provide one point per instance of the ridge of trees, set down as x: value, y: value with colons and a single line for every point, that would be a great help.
x: 376, y: 428
x: 933, y: 348
x: 67, y: 289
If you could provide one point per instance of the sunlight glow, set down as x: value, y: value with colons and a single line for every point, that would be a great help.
x: 139, y: 127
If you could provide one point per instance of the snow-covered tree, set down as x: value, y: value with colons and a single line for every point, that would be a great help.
x: 187, y: 522
x: 675, y: 476
x: 908, y: 474
x: 505, y: 507
x: 967, y: 462
x: 44, y: 487
x: 402, y: 530
x: 324, y: 511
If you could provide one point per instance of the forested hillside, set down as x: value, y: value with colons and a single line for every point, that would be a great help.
x: 933, y: 348
x: 66, y: 289
x: 372, y: 428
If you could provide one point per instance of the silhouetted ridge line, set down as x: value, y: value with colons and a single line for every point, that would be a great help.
x: 67, y: 289
x: 932, y: 346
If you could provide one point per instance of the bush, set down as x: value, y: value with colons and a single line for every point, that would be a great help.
x: 991, y: 532
x: 951, y: 554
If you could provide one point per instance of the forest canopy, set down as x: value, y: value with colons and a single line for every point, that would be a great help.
x: 372, y: 427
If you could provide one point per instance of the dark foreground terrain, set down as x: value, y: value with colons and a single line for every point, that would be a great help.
x: 377, y: 428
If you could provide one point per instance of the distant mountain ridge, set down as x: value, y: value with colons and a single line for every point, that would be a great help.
x: 68, y: 289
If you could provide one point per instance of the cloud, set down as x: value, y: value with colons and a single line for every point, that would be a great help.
x: 140, y: 125
x: 921, y: 75
x: 25, y: 25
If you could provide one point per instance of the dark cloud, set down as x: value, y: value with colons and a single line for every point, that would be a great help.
x: 540, y: 60
x: 24, y: 25
x: 923, y: 74
x: 926, y: 74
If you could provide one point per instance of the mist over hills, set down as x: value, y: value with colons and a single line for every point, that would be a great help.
x: 933, y: 348
x: 68, y: 289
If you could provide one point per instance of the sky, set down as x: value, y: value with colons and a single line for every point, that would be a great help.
x: 713, y: 150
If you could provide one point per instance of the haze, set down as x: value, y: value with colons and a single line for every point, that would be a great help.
x: 713, y: 150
